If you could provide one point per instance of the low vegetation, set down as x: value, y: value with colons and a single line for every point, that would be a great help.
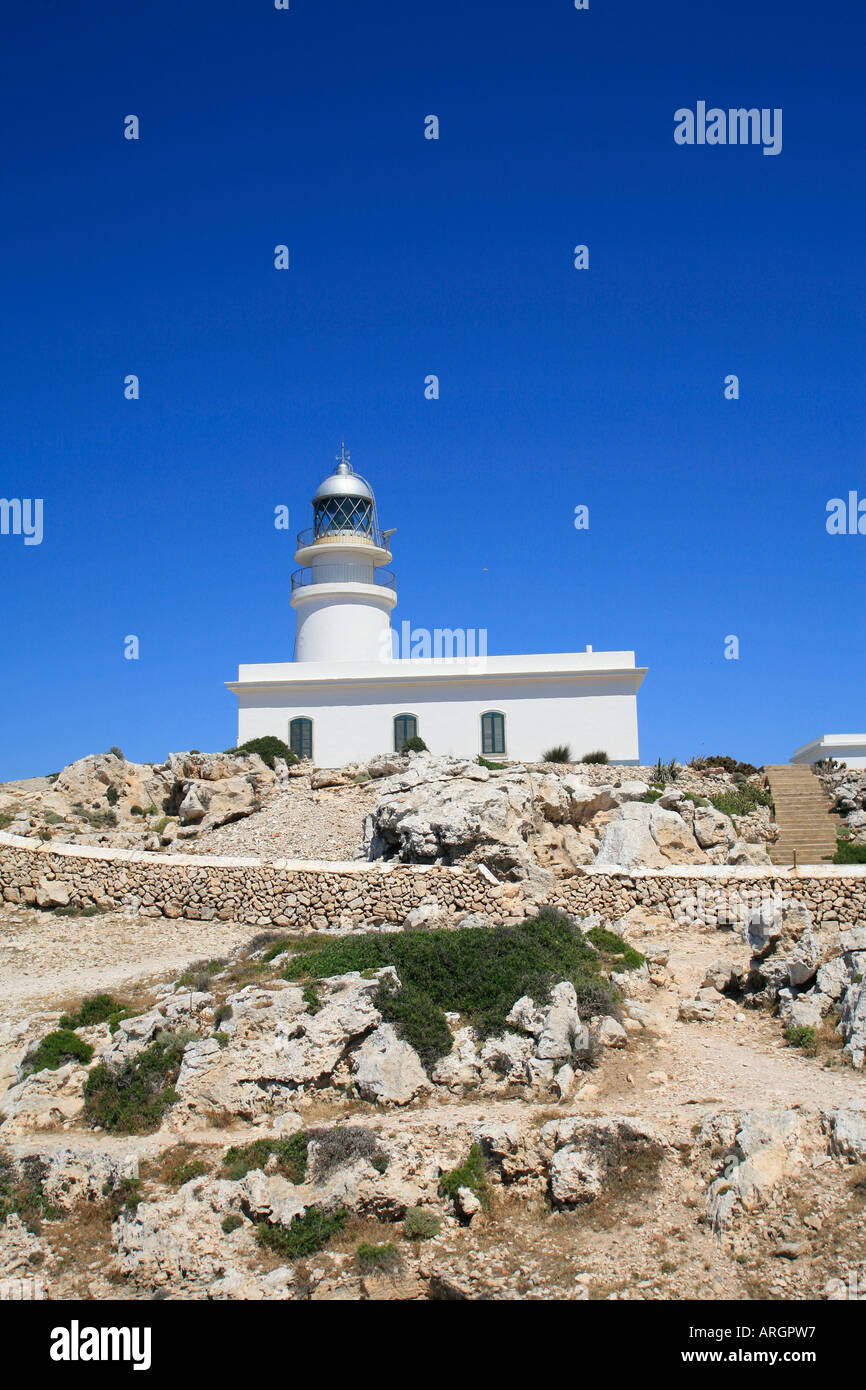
x: 383, y: 1258
x: 723, y: 761
x: 415, y: 744
x: 305, y: 1235
x: 132, y: 1098
x: 665, y: 772
x: 598, y: 756
x: 96, y: 1008
x: 268, y: 748
x: 21, y: 1192
x: 342, y: 1145
x: 848, y: 853
x: 289, y: 1157
x: 471, y: 1173
x: 55, y: 1050
x: 741, y: 799
x: 797, y: 1035
x: 560, y: 753
x: 420, y: 1223
x: 479, y: 974
x: 618, y: 954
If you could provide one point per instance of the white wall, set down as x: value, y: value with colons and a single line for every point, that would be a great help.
x: 848, y: 749
x: 586, y: 712
x: 352, y: 628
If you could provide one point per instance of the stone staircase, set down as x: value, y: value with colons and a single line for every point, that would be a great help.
x: 802, y: 815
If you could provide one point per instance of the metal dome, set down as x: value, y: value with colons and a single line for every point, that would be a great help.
x: 343, y: 482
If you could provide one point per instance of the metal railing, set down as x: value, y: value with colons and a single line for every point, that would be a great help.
x: 346, y: 533
x: 343, y: 574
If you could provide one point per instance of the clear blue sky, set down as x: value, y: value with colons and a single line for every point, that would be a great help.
x: 409, y: 257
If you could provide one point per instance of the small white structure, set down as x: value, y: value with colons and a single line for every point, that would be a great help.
x: 844, y: 748
x: 347, y: 695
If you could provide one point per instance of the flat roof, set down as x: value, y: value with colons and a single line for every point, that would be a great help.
x: 832, y: 741
x: 548, y: 665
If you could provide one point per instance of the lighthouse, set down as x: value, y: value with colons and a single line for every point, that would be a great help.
x: 346, y: 696
x: 342, y: 594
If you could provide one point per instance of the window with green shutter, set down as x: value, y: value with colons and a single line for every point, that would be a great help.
x: 492, y: 732
x: 405, y: 727
x: 301, y: 738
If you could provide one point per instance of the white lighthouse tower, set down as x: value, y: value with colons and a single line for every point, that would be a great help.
x: 343, y: 596
x: 346, y: 697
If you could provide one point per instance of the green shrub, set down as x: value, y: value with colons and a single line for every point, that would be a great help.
x: 276, y: 949
x: 598, y: 756
x: 56, y: 1049
x: 723, y: 761
x: 185, y: 1172
x: 133, y: 1098
x: 848, y: 853
x: 96, y: 1008
x: 221, y: 1013
x: 653, y: 794
x: 111, y: 794
x: 310, y: 996
x: 222, y: 1038
x: 415, y: 744
x: 100, y: 820
x: 479, y: 974
x: 161, y: 824
x: 418, y: 1018
x: 385, y: 1257
x: 232, y: 1222
x: 742, y: 799
x: 420, y: 1223
x: 118, y: 752
x: 665, y: 772
x: 268, y: 748
x: 797, y: 1035
x: 5, y: 819
x: 291, y: 1155
x: 617, y: 952
x: 21, y: 1192
x: 471, y: 1173
x: 52, y: 818
x: 305, y: 1235
x: 491, y: 767
x: 124, y: 1197
x: 559, y: 753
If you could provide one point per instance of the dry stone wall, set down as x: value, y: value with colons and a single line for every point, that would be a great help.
x: 325, y: 896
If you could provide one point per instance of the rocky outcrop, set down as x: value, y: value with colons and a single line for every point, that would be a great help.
x: 847, y: 790
x: 761, y: 1148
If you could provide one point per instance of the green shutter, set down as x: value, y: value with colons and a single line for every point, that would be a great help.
x: 492, y: 733
x: 405, y: 727
x: 301, y: 737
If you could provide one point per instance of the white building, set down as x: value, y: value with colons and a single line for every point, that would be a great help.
x: 347, y: 695
x: 845, y: 748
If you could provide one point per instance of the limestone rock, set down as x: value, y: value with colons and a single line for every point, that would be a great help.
x: 51, y: 893
x: 387, y: 1069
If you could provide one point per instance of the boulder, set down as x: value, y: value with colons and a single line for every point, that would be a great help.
x: 645, y: 835
x: 848, y: 1130
x: 51, y: 893
x: 387, y: 1069
x: 712, y: 827
x: 562, y: 1032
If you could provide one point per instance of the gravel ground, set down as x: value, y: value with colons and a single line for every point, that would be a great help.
x: 294, y: 823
